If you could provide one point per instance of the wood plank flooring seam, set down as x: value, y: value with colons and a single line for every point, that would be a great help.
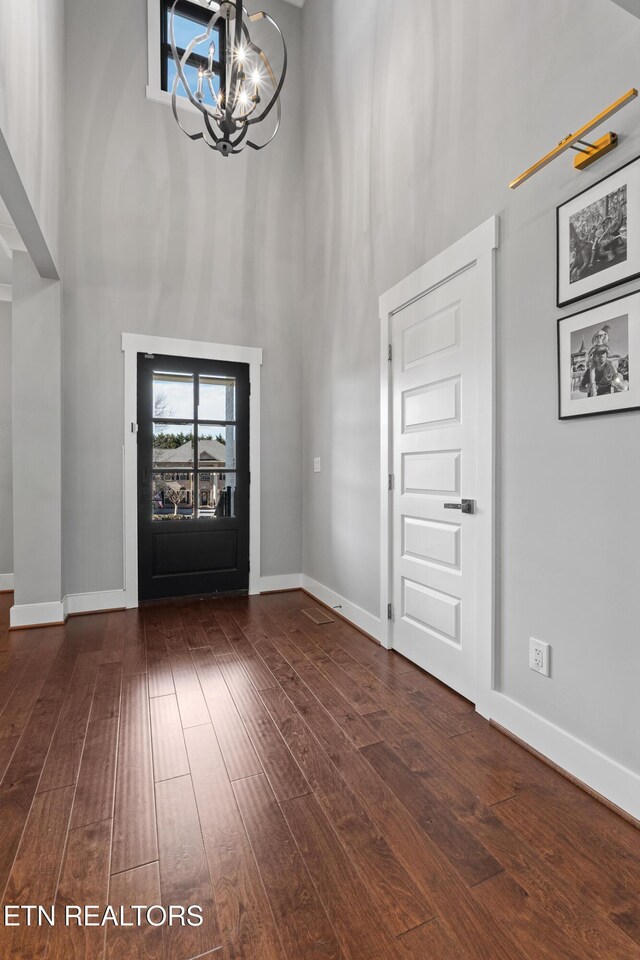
x: 250, y: 777
x: 503, y: 800
x: 64, y: 846
x: 185, y: 879
x: 3, y: 889
x: 62, y: 698
x: 8, y: 689
x: 35, y: 777
x: 176, y: 730
x: 119, y: 873
x: 33, y: 659
x: 239, y: 751
x: 61, y: 713
x: 271, y: 771
x: 366, y: 848
x: 133, y: 696
x: 115, y: 765
x: 297, y: 866
x: 106, y: 819
x: 200, y: 827
x: 418, y: 926
x: 364, y: 916
x: 38, y: 776
x: 238, y: 882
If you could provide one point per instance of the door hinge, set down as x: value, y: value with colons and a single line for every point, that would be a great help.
x: 389, y: 611
x: 390, y: 353
x: 134, y: 428
x: 390, y: 481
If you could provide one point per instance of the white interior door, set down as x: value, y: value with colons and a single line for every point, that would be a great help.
x: 435, y: 549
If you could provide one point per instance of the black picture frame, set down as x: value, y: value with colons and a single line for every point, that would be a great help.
x: 583, y: 322
x: 624, y: 271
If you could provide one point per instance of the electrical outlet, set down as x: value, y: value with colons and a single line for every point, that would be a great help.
x: 539, y: 656
x: 317, y: 465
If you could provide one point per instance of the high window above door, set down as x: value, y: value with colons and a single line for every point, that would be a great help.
x: 188, y: 17
x: 162, y: 69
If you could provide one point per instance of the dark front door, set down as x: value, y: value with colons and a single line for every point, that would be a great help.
x: 193, y: 477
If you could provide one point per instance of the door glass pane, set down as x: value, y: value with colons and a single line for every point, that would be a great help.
x: 217, y: 494
x: 216, y: 446
x: 172, y: 495
x: 217, y: 398
x: 173, y: 444
x: 173, y: 396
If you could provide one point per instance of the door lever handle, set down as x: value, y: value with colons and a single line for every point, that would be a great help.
x: 466, y: 506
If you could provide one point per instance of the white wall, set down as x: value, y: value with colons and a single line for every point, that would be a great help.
x: 6, y: 478
x: 164, y: 236
x: 36, y: 409
x: 418, y: 114
x: 31, y: 114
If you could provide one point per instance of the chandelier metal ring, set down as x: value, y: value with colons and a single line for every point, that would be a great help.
x: 245, y: 75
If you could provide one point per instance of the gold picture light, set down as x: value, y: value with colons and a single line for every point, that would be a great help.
x: 588, y: 153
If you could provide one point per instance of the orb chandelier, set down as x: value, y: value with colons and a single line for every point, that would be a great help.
x: 234, y: 87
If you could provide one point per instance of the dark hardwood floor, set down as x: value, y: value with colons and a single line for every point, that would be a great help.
x: 319, y: 797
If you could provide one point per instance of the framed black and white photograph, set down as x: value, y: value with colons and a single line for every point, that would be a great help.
x: 599, y: 359
x: 598, y: 236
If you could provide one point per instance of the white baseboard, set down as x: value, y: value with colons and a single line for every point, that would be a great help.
x: 613, y: 781
x: 287, y: 581
x: 94, y: 602
x: 361, y: 618
x: 6, y: 582
x: 36, y: 614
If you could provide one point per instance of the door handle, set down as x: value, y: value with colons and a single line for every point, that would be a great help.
x: 466, y: 506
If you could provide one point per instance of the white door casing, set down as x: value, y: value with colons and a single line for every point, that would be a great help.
x: 437, y: 442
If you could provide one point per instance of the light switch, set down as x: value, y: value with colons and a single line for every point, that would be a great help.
x: 317, y: 465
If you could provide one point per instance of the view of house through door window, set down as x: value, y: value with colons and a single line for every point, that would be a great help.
x: 180, y: 491
x: 193, y: 437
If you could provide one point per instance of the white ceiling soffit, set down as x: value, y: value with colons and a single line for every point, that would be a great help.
x: 4, y: 213
x: 632, y: 6
x: 8, y: 242
x: 10, y: 239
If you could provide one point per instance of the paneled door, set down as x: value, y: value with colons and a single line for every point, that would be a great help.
x: 435, y: 471
x: 193, y: 477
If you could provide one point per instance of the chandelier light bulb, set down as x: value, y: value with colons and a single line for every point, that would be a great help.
x: 199, y: 91
x: 235, y: 108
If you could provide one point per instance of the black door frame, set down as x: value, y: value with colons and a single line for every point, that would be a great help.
x: 132, y: 344
x: 233, y: 577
